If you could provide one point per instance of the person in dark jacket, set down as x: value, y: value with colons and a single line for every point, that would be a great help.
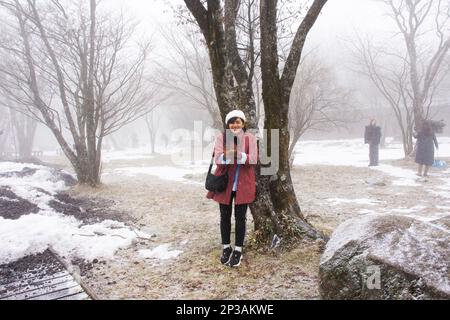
x: 426, y: 141
x: 372, y: 136
x: 237, y: 159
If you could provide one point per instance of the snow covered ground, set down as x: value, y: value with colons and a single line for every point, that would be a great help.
x: 353, y: 152
x: 350, y: 152
x: 35, y: 232
x: 339, y: 153
x: 162, y: 172
x: 140, y: 153
x: 167, y: 199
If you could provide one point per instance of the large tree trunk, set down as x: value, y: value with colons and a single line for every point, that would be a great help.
x: 276, y: 212
x: 278, y: 218
x: 286, y: 215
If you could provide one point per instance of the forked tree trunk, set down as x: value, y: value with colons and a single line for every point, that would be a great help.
x: 276, y: 212
x: 83, y: 159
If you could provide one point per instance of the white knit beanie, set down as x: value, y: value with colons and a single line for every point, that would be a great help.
x: 233, y: 114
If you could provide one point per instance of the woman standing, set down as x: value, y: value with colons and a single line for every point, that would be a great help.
x: 426, y: 140
x: 235, y: 153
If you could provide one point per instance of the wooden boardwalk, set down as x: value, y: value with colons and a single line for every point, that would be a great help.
x: 42, y: 277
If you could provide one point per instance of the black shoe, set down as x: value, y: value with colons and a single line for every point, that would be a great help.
x: 236, y: 258
x: 226, y: 255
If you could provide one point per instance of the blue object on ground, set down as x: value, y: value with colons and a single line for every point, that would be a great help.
x: 439, y: 164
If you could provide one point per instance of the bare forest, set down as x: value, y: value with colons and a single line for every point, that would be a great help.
x: 110, y: 111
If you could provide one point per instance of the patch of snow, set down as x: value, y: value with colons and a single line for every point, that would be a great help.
x: 6, y: 166
x: 163, y: 172
x: 34, y: 233
x: 353, y: 152
x: 444, y: 189
x: 29, y: 187
x: 370, y: 202
x: 427, y: 217
x: 341, y: 236
x: 404, y: 177
x: 366, y: 211
x: 129, y: 154
x: 8, y: 199
x: 407, y: 210
x: 349, y: 152
x: 413, y: 247
x: 443, y: 194
x: 161, y: 252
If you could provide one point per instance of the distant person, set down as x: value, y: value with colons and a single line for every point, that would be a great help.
x: 426, y: 141
x: 134, y: 140
x: 237, y: 161
x: 372, y: 136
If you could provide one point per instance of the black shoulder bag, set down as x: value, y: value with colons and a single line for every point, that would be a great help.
x: 216, y: 184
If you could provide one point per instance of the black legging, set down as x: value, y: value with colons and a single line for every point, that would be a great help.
x: 225, y: 221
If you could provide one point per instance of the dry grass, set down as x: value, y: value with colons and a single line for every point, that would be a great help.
x: 176, y: 212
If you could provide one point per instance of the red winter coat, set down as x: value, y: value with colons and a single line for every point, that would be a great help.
x: 246, y: 186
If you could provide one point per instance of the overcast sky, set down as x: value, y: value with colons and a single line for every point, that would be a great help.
x: 337, y: 12
x: 338, y: 16
x: 338, y: 21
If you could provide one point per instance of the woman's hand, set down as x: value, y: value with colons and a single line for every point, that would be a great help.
x: 229, y: 154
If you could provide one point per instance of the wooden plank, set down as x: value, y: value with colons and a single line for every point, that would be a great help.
x: 42, y: 290
x: 85, y: 287
x: 78, y: 296
x: 33, y: 282
x: 28, y: 287
x: 44, y: 277
x: 34, y: 291
x: 33, y: 275
x: 61, y: 293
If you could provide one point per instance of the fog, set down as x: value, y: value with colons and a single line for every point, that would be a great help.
x: 112, y: 119
x: 329, y: 44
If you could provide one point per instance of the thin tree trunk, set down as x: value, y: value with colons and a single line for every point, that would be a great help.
x: 91, y: 128
x: 25, y: 129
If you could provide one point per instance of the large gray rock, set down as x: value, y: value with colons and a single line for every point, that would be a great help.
x: 387, y: 257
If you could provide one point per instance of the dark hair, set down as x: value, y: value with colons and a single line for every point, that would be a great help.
x: 233, y: 120
x: 427, y: 128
